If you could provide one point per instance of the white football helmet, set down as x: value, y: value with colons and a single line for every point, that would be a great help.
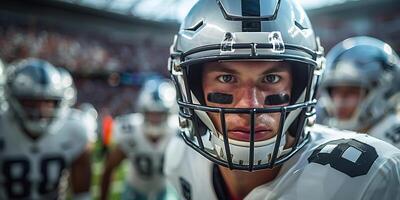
x: 367, y: 63
x: 31, y: 80
x: 218, y: 30
x: 156, y: 101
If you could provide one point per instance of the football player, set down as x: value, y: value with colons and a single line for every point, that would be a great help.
x: 41, y: 138
x: 246, y: 73
x: 361, y: 88
x: 142, y: 138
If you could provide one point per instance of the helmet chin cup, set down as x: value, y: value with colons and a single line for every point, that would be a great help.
x: 240, y: 150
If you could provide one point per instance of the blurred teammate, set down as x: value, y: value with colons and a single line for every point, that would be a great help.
x: 41, y: 138
x: 361, y: 88
x: 246, y: 73
x: 2, y: 83
x: 142, y: 138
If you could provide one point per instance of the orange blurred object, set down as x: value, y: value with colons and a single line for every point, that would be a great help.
x: 107, y: 129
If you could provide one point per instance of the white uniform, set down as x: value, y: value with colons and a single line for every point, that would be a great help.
x: 146, y: 159
x: 31, y: 169
x: 332, y: 165
x: 388, y: 130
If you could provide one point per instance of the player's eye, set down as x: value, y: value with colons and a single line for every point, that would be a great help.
x: 226, y: 78
x: 271, y: 78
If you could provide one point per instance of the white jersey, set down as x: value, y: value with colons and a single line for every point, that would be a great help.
x: 31, y: 169
x: 388, y: 130
x: 146, y: 159
x: 332, y: 165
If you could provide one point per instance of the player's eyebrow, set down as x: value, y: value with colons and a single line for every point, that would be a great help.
x: 277, y: 68
x: 222, y: 67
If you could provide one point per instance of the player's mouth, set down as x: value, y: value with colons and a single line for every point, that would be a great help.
x: 243, y: 133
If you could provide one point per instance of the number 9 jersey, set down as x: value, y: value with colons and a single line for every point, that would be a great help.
x: 32, y: 169
x: 146, y: 158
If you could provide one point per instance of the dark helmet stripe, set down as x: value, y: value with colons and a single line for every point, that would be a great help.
x: 251, y: 8
x: 44, y: 79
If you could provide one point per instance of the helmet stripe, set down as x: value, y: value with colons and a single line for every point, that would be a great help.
x: 251, y: 8
x: 43, y: 76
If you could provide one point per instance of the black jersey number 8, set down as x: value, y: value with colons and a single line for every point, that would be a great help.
x: 335, y: 157
x: 18, y: 185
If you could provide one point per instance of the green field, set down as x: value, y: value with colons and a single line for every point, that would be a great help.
x: 119, y: 175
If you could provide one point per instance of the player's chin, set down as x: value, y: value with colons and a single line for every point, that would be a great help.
x: 244, y: 136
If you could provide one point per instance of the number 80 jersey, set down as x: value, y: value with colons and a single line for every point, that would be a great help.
x: 31, y: 169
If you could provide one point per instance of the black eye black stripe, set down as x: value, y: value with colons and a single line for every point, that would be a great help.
x: 277, y: 99
x: 220, y: 98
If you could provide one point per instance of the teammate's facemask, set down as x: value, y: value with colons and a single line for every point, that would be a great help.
x: 39, y: 109
x: 225, y: 30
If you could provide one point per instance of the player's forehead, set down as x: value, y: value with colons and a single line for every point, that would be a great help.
x: 246, y: 67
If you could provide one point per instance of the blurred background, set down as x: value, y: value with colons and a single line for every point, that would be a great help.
x: 111, y: 46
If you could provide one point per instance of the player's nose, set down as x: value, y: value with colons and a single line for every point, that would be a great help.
x: 250, y: 97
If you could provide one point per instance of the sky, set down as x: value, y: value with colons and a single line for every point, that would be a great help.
x: 185, y: 5
x: 169, y: 9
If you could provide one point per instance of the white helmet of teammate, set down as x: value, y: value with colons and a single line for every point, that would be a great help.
x: 366, y: 63
x: 156, y: 102
x: 31, y: 81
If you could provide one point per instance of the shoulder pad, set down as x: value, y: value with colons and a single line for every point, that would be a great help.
x: 174, y: 154
x: 77, y: 128
x: 74, y: 114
